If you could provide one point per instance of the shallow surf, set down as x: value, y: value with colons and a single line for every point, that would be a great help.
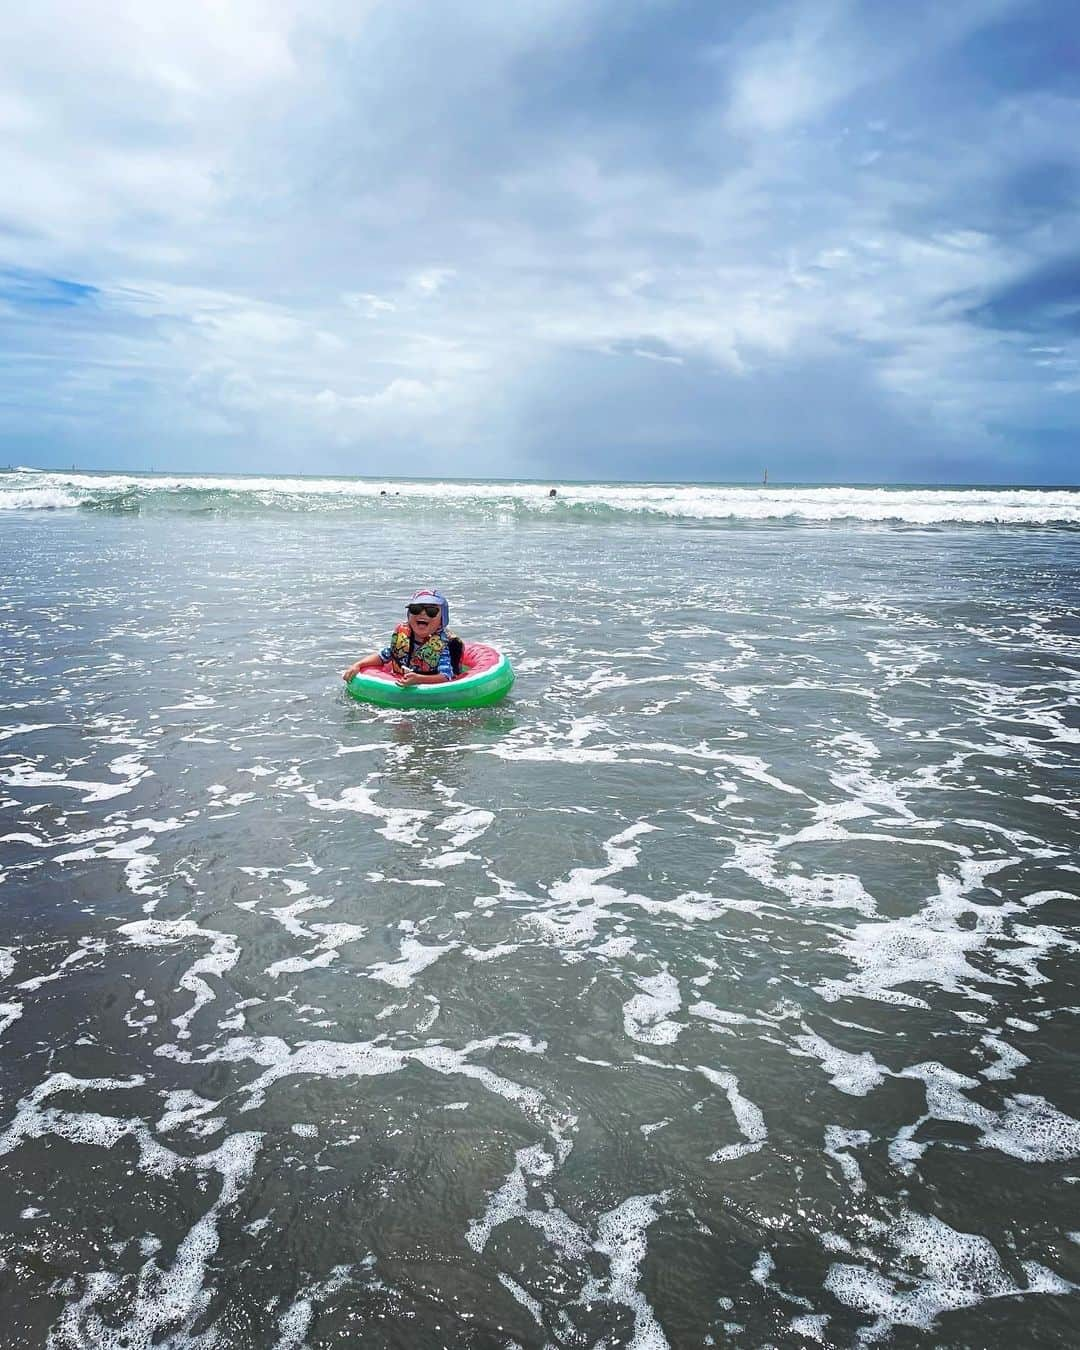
x: 717, y: 988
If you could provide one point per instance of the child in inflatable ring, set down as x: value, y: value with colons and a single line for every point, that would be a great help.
x: 422, y: 650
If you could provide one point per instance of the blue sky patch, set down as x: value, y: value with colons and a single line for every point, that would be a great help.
x: 42, y: 292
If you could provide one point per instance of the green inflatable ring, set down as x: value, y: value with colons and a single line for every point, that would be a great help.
x: 486, y: 678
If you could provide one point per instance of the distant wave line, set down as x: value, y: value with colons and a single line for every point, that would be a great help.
x: 36, y: 490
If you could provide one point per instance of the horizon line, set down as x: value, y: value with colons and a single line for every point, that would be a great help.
x: 551, y: 481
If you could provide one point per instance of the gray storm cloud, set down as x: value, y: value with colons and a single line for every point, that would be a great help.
x: 576, y: 238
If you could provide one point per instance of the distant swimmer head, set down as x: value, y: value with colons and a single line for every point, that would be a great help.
x: 428, y: 611
x: 553, y: 493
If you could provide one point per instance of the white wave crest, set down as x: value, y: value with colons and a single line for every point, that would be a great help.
x: 37, y: 499
x: 28, y: 490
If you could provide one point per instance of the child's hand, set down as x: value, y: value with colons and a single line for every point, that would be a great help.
x: 353, y: 670
x: 408, y: 677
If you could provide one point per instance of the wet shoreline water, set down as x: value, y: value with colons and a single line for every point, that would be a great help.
x: 720, y: 984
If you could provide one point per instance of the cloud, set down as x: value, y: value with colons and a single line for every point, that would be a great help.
x: 1046, y: 300
x: 20, y: 288
x: 665, y: 235
x: 822, y: 417
x: 431, y: 279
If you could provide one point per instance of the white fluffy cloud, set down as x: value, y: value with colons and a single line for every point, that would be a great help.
x: 320, y: 235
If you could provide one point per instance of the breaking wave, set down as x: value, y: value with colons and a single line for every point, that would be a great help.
x: 37, y: 490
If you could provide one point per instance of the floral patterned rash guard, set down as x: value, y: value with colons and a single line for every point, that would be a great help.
x: 425, y: 658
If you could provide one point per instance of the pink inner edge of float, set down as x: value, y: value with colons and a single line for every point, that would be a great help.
x: 475, y: 660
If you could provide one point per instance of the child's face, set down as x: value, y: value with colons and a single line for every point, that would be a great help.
x: 424, y: 620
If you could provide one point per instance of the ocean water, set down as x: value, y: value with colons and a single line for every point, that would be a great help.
x: 719, y: 988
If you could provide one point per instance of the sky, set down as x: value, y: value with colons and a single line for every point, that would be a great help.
x: 642, y: 239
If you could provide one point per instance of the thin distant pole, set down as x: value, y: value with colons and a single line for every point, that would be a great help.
x: 765, y: 480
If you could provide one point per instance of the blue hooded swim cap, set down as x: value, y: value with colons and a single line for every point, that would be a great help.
x: 430, y: 596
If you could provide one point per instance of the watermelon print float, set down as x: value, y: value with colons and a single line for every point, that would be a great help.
x: 486, y: 676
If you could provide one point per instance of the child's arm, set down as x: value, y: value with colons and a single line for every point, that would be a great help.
x: 365, y: 663
x: 445, y: 671
x: 411, y: 677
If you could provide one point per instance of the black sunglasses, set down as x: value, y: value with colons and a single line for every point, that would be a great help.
x: 430, y: 610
